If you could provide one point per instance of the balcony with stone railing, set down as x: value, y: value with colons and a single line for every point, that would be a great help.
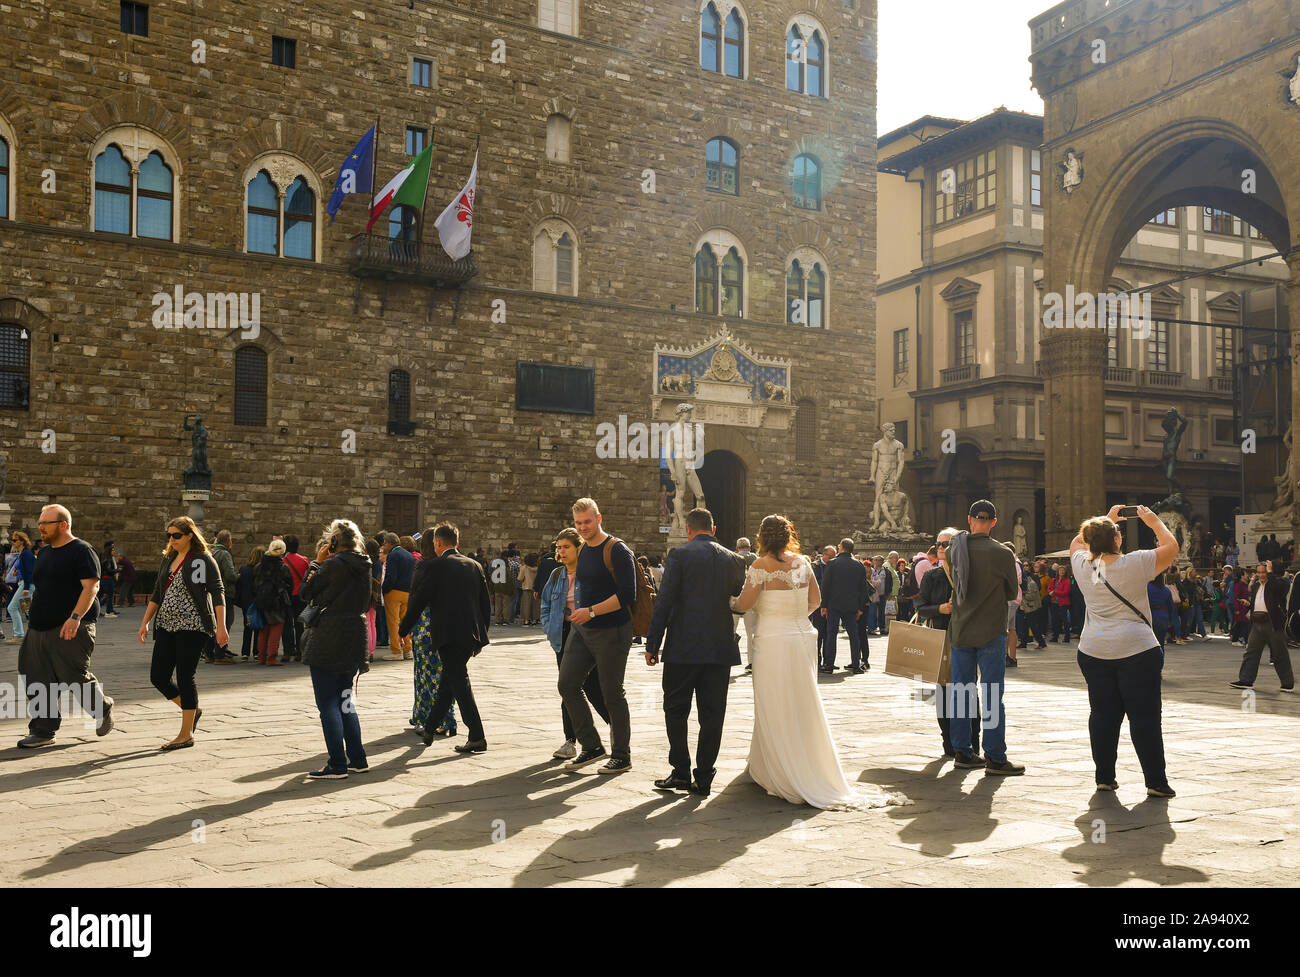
x: 375, y: 256
x: 960, y: 374
x: 1124, y: 375
x: 1066, y: 18
x: 1162, y: 379
x: 1220, y: 385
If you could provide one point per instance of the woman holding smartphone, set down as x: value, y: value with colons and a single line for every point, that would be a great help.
x: 1119, y: 653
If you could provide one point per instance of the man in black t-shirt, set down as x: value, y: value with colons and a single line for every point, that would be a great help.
x: 55, y: 654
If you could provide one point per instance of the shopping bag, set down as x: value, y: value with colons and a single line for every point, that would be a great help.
x: 919, y: 653
x: 891, y: 607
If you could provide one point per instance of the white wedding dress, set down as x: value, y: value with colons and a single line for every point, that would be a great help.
x: 792, y: 754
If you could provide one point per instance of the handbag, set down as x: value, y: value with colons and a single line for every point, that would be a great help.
x: 309, y: 616
x: 255, y: 620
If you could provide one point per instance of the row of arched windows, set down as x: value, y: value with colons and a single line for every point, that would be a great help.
x: 719, y: 274
x: 723, y: 39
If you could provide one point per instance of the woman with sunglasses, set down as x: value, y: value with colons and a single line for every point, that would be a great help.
x: 188, y: 603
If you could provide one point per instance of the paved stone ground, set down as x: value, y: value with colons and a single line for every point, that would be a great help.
x: 115, y: 812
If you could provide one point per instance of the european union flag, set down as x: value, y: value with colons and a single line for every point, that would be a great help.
x: 357, y: 173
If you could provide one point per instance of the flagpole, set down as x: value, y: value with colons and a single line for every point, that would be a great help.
x: 374, y: 171
x: 433, y: 138
x: 478, y: 193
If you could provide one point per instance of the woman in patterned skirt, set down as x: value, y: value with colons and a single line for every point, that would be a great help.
x: 428, y: 665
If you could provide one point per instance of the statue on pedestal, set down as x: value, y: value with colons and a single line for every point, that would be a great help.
x: 198, y: 476
x: 684, y: 452
x: 886, y: 469
x: 1019, y: 537
x: 1280, y: 513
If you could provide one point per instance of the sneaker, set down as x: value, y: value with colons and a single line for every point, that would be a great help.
x: 353, y: 768
x: 328, y: 773
x: 112, y: 614
x: 1113, y: 785
x: 35, y: 742
x: 1004, y: 769
x: 392, y: 658
x: 585, y: 758
x: 566, y: 752
x: 1238, y: 685
x: 616, y: 766
x: 406, y: 656
x: 1164, y: 790
x: 1289, y: 689
x: 967, y: 761
x: 106, y: 721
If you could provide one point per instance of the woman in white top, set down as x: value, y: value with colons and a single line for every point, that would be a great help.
x: 1119, y: 655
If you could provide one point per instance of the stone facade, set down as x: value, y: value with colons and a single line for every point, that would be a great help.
x: 115, y: 390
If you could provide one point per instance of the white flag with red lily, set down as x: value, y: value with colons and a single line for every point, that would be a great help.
x: 456, y: 223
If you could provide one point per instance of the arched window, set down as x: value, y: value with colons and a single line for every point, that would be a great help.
x: 722, y: 166
x: 135, y: 174
x: 112, y: 192
x: 153, y: 199
x: 555, y: 258
x: 300, y: 221
x: 795, y: 51
x: 399, y: 402
x: 281, y: 198
x: 807, y: 182
x: 402, y: 223
x: 805, y: 290
x: 15, y: 366
x: 805, y: 431
x: 814, y: 70
x: 720, y: 274
x: 733, y: 283
x: 710, y: 39
x: 805, y: 58
x: 250, y: 386
x: 706, y: 281
x: 4, y: 178
x: 733, y: 61
x: 557, y: 138
x: 263, y: 215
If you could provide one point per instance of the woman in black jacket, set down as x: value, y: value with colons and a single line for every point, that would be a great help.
x: 272, y: 586
x: 338, y: 582
x: 189, y: 604
x: 244, y: 601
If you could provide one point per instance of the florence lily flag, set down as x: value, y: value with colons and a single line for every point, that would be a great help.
x: 408, y: 187
x: 456, y: 223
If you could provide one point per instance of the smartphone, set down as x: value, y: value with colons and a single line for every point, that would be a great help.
x: 1128, y: 512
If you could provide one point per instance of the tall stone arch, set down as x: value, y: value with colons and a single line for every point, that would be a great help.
x: 1145, y: 126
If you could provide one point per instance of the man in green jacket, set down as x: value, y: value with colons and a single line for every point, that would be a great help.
x: 984, y: 582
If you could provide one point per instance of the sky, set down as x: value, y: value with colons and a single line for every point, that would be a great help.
x: 954, y: 58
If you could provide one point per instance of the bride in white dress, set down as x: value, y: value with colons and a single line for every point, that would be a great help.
x: 792, y: 754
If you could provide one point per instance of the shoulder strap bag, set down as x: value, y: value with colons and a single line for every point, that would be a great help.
x: 1124, y: 600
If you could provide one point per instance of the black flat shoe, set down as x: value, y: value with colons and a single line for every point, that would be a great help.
x: 699, y: 789
x: 673, y: 782
x: 473, y: 746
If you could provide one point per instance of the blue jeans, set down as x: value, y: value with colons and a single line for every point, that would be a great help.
x: 872, y: 623
x: 991, y: 660
x: 338, y: 718
x: 1198, y: 619
x: 106, y: 594
x: 16, y: 612
x: 850, y: 622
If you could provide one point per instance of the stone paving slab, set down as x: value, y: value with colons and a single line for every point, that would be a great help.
x: 237, y: 811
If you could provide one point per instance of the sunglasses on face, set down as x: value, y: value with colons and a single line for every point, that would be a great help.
x: 177, y: 535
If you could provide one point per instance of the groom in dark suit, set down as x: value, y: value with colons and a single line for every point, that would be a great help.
x: 844, y: 594
x: 693, y: 609
x: 456, y: 593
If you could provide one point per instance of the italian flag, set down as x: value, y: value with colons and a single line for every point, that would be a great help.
x: 408, y: 187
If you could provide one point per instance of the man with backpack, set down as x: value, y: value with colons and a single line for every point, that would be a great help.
x: 600, y: 637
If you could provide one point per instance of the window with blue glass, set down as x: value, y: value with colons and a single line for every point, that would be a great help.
x: 153, y: 199
x: 807, y: 182
x: 112, y: 192
x: 300, y: 221
x: 805, y: 61
x: 263, y: 215
x: 722, y: 166
x: 722, y: 42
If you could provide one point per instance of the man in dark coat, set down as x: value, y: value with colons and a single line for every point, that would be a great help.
x: 819, y: 622
x: 1268, y: 599
x: 455, y: 590
x: 693, y: 611
x: 844, y: 593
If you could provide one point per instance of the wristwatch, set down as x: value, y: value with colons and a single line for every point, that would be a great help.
x: 592, y: 610
x: 75, y: 616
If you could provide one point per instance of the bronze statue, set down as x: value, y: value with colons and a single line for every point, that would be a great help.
x: 199, y: 440
x: 1174, y: 425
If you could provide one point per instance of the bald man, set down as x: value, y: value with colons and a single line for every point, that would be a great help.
x: 55, y: 654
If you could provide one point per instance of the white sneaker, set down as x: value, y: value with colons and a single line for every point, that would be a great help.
x: 567, y: 752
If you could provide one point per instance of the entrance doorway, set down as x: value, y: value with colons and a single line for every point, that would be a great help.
x: 723, y: 477
x: 401, y: 513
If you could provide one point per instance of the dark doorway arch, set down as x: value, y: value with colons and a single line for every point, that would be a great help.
x: 723, y: 477
x: 968, y: 482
